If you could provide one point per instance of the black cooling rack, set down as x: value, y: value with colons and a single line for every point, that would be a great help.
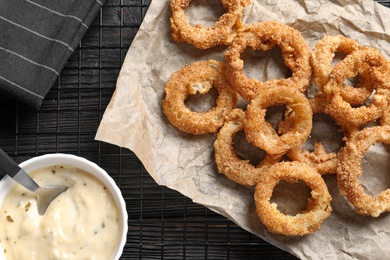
x: 163, y: 224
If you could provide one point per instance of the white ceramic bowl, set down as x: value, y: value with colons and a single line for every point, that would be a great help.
x: 66, y: 159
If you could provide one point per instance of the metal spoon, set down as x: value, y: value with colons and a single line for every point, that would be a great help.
x: 44, y: 195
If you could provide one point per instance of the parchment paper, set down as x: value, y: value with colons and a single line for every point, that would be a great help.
x: 183, y: 162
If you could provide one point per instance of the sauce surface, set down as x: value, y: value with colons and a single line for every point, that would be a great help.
x: 81, y: 223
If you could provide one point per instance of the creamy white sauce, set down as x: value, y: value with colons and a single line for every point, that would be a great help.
x: 81, y: 223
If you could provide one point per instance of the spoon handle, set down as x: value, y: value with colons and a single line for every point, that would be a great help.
x: 7, y: 165
x: 12, y: 169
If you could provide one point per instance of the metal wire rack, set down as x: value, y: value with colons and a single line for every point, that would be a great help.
x: 163, y: 224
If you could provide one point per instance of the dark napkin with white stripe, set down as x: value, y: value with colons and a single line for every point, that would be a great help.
x: 37, y: 37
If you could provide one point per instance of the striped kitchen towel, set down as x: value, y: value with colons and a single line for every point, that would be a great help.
x: 36, y: 39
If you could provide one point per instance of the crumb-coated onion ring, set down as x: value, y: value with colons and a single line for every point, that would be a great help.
x: 201, y: 37
x: 228, y: 163
x: 323, y: 54
x: 370, y: 62
x: 259, y: 132
x: 350, y: 169
x: 321, y: 61
x: 265, y: 36
x: 318, y: 206
x: 325, y: 162
x: 385, y: 119
x: 319, y: 104
x: 199, y: 77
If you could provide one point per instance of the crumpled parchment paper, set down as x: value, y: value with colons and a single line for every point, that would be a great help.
x: 183, y: 162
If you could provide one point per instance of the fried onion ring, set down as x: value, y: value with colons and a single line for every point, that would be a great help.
x: 370, y: 62
x: 325, y: 162
x: 350, y: 169
x: 319, y: 104
x: 199, y: 77
x: 321, y: 61
x: 222, y: 33
x: 318, y: 206
x: 228, y: 163
x: 265, y: 36
x: 261, y: 133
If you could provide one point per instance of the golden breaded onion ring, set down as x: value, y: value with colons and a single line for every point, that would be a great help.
x: 350, y: 169
x: 370, y: 62
x: 321, y: 61
x: 265, y: 36
x: 205, y: 37
x: 318, y: 206
x: 228, y: 163
x: 325, y: 162
x: 324, y: 52
x: 199, y: 77
x: 260, y: 132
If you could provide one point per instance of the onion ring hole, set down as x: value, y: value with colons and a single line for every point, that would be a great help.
x: 338, y: 56
x: 257, y: 64
x: 211, y: 9
x: 246, y: 151
x: 202, y: 102
x: 375, y: 177
x: 291, y: 198
x: 274, y: 115
x: 324, y: 130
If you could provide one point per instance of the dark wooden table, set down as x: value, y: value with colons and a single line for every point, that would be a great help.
x: 163, y: 224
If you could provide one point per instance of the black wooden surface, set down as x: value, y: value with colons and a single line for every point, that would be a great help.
x: 163, y: 224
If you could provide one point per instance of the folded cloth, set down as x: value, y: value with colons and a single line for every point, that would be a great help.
x: 36, y: 39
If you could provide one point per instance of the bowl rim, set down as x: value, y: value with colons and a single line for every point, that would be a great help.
x: 45, y: 160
